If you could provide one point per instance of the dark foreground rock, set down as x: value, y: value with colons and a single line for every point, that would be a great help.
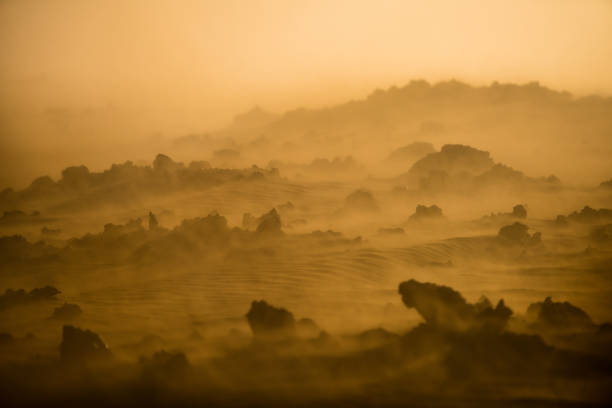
x: 80, y: 346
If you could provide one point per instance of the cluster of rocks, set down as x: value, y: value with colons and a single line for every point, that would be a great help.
x: 20, y: 297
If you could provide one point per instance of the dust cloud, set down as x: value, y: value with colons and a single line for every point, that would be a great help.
x: 299, y: 203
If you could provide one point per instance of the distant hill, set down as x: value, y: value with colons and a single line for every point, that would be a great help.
x: 254, y: 118
x: 528, y: 126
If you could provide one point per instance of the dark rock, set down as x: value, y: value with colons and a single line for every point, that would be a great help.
x: 266, y: 320
x: 164, y: 365
x: 44, y: 293
x: 558, y: 315
x: 589, y: 215
x: 20, y: 297
x: 153, y: 224
x: 76, y: 178
x: 517, y: 234
x: 606, y: 184
x: 50, y: 231
x: 163, y: 163
x: 444, y: 308
x: 454, y: 159
x: 199, y: 165
x: 270, y: 223
x: 6, y: 338
x: 361, y: 201
x: 425, y: 213
x: 561, y: 221
x: 500, y: 174
x: 519, y: 211
x: 306, y: 327
x: 67, y: 311
x: 602, y: 233
x: 80, y: 346
x: 212, y: 226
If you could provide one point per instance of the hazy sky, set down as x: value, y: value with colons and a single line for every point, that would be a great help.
x: 221, y: 57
